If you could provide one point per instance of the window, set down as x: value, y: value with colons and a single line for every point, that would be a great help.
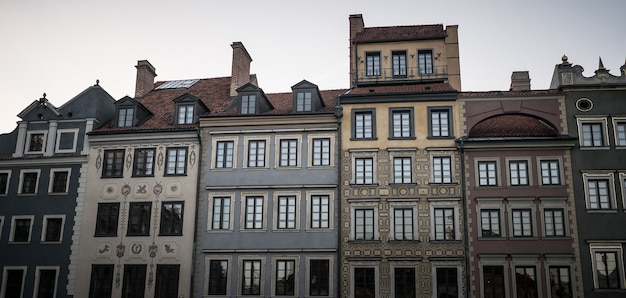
x: 285, y: 277
x: 218, y: 277
x: 224, y: 154
x: 599, y: 194
x: 251, y: 279
x: 21, y: 229
x: 139, y: 219
x: 440, y: 122
x: 45, y: 282
x: 36, y: 142
x: 101, y: 285
x: 365, y: 282
x: 560, y: 281
x: 254, y: 213
x: 321, y: 152
x: 493, y: 281
x: 113, y: 163
x: 319, y: 278
x: 167, y: 281
x: 620, y: 132
x: 106, y: 224
x: 176, y: 161
x: 372, y: 64
x: 592, y: 132
x: 13, y: 281
x: 399, y: 64
x: 320, y: 211
x: 60, y: 181
x: 518, y: 172
x: 303, y: 102
x: 487, y: 173
x: 221, y: 213
x: 364, y: 224
x: 447, y: 282
x: 404, y: 282
x: 554, y: 221
x: 364, y: 170
x: 607, y: 263
x: 286, y: 212
x: 4, y: 182
x: 171, y: 218
x: 550, y: 172
x: 185, y: 114
x: 29, y: 182
x: 248, y: 104
x: 401, y: 170
x: 363, y: 124
x: 256, y: 153
x: 444, y: 224
x: 66, y: 140
x: 401, y: 123
x: 522, y: 223
x: 134, y: 283
x: 53, y: 228
x: 288, y: 153
x: 144, y: 162
x: 442, y: 169
x: 125, y: 117
x: 526, y: 281
x: 403, y: 224
x: 490, y: 223
x: 425, y: 61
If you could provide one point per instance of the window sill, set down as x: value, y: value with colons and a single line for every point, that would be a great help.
x: 137, y: 235
x: 174, y: 175
x: 401, y: 138
x: 142, y: 176
x: 595, y: 147
x: 602, y: 211
x: 403, y: 241
x: 27, y: 194
x: 19, y: 243
x: 57, y: 193
x: 51, y: 242
x: 364, y: 241
x: 102, y: 236
x: 445, y: 241
x: 170, y: 235
x: 440, y: 138
x: 288, y: 168
x: 364, y: 139
x: 514, y: 238
x: 443, y: 183
x: 111, y: 177
x: 492, y: 238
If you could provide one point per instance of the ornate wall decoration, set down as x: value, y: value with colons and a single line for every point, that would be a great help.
x: 104, y: 250
x: 169, y: 250
x: 136, y: 250
x: 99, y: 159
x: 174, y: 189
x: 125, y: 189
x: 121, y: 250
x: 160, y: 158
x: 140, y: 190
x: 110, y: 191
x: 157, y: 189
x: 129, y: 161
x: 192, y: 158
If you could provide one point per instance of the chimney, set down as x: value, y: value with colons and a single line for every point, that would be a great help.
x: 356, y: 24
x: 145, y: 78
x: 240, y: 74
x: 520, y: 81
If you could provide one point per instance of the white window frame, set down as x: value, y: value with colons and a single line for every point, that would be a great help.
x: 559, y: 161
x: 246, y: 155
x: 274, y: 266
x: 529, y: 170
x: 67, y: 183
x: 404, y: 264
x: 400, y: 174
x: 591, y: 120
x: 214, y: 153
x: 612, y: 247
x: 309, y: 210
x: 262, y: 270
x: 523, y: 203
x: 457, y: 224
x: 611, y: 182
x: 477, y: 171
x: 242, y: 218
x: 29, y: 135
x: 310, y: 152
x: 560, y: 261
x: 365, y: 264
x: 554, y: 203
x: 30, y: 232
x: 58, y: 140
x: 1, y: 225
x: 22, y: 172
x: 448, y: 264
x: 185, y: 119
x: 616, y: 122
x: 494, y: 260
x: 210, y: 203
x: 526, y: 261
x: 447, y: 154
x: 278, y: 152
x: 403, y: 204
x: 44, y: 228
x: 207, y: 270
x: 275, y: 210
x: 363, y: 204
x: 4, y: 278
x: 6, y: 191
x: 37, y: 277
x: 307, y: 274
x: 365, y: 153
x: 622, y: 182
x: 490, y: 204
x: 304, y: 101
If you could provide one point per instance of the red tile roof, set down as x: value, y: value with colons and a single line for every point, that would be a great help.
x: 402, y: 89
x: 513, y: 125
x: 490, y: 94
x: 400, y: 33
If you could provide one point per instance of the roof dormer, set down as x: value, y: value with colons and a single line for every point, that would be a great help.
x: 306, y: 97
x: 188, y: 108
x: 252, y: 100
x: 129, y: 112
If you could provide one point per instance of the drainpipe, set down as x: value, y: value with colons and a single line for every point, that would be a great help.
x: 338, y: 224
x: 199, y: 192
x: 461, y: 146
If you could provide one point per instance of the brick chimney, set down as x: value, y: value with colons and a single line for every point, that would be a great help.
x: 240, y: 74
x: 520, y: 81
x: 145, y: 78
x: 356, y: 24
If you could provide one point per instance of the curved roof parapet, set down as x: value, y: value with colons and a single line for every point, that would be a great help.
x: 513, y: 125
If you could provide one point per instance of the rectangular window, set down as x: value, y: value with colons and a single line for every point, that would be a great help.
x: 53, y: 229
x: 372, y: 64
x: 608, y: 271
x: 444, y: 224
x: 319, y: 278
x: 185, y: 114
x: 620, y: 134
x: 176, y: 161
x: 125, y: 117
x: 320, y: 212
x: 440, y: 122
x: 487, y: 173
x: 171, y: 218
x: 550, y: 172
x: 13, y: 282
x: 66, y: 140
x: 303, y: 102
x: 113, y: 163
x: 46, y: 283
x: 425, y: 61
x: 248, y: 104
x: 555, y: 222
x: 493, y: 281
x: 522, y: 222
x: 560, y: 282
x: 364, y: 224
x: 251, y: 279
x: 398, y: 60
x: 101, y: 285
x: 36, y: 142
x: 29, y: 182
x: 254, y: 213
x: 592, y: 135
x: 364, y: 170
x: 288, y: 153
x: 134, y: 283
x: 447, y: 282
x: 490, y: 223
x: 4, y: 182
x: 256, y: 153
x: 365, y: 282
x: 21, y: 229
x: 167, y: 281
x: 404, y: 282
x: 403, y: 224
x: 599, y: 194
x: 60, y: 181
x: 526, y: 281
x: 442, y: 169
x: 106, y: 224
x: 286, y: 212
x: 218, y: 277
x: 285, y: 277
x: 224, y: 154
x: 518, y: 172
x: 363, y: 125
x: 139, y: 219
x: 402, y: 170
x: 321, y: 152
x: 144, y: 162
x: 221, y: 213
x: 401, y: 124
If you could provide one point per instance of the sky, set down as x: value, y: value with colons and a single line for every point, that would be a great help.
x: 62, y: 47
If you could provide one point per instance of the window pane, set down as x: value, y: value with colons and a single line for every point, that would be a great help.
x: 490, y: 223
x: 285, y: 277
x: 221, y: 213
x: 167, y: 281
x: 224, y: 154
x: 47, y: 282
x: 171, y: 218
x: 218, y: 277
x: 251, y: 280
x: 365, y: 282
x: 134, y: 281
x: 106, y: 224
x: 53, y: 229
x: 493, y: 281
x: 139, y: 219
x: 101, y: 284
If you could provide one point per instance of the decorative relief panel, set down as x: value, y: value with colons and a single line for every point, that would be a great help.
x: 174, y: 189
x: 136, y: 251
x: 104, y: 250
x: 141, y: 190
x: 169, y: 250
x: 110, y: 191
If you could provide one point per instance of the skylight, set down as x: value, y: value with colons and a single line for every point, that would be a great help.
x: 178, y: 84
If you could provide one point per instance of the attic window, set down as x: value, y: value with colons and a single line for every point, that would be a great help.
x: 303, y: 102
x: 125, y: 117
x: 178, y: 84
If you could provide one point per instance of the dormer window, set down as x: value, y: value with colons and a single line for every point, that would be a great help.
x: 185, y: 114
x: 188, y: 108
x: 130, y: 113
x: 248, y: 104
x: 303, y: 102
x: 306, y: 97
x: 125, y: 116
x: 36, y: 141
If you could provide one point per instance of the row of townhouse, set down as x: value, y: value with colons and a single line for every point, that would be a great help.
x: 399, y: 186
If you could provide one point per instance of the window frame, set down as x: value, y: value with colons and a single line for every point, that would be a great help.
x: 602, y: 121
x: 23, y: 173
x: 115, y: 161
x: 121, y: 120
x: 524, y: 205
x: 248, y: 104
x: 187, y: 119
x: 550, y: 204
x: 114, y: 227
x: 297, y: 139
x: 479, y: 177
x: 399, y: 177
x: 455, y: 222
x: 424, y: 61
x: 5, y: 276
x: 309, y: 210
x: 447, y: 265
x: 29, y: 139
x: 617, y: 249
x: 134, y: 281
x: 493, y: 262
x: 136, y: 212
x: 243, y: 211
x: 248, y: 152
x: 312, y: 153
x: 96, y: 277
x: 213, y: 197
x: 540, y: 169
x: 44, y: 228
x: 622, y: 182
x: 399, y: 68
x: 373, y: 67
x: 215, y: 154
x: 404, y: 265
x: 409, y: 126
x: 172, y: 224
x: 510, y: 171
x: 403, y: 204
x: 364, y: 205
x: 619, y: 123
x: 37, y: 284
x: 304, y: 104
x: 242, y: 260
x: 449, y: 128
x: 535, y: 271
x: 52, y: 182
x: 207, y: 273
x: 295, y: 260
x: 168, y: 280
x: 597, y: 176
x: 176, y: 170
x: 277, y: 211
x: 309, y: 274
x: 364, y: 124
x: 60, y: 132
x: 364, y: 265
x: 5, y: 191
x: 144, y: 162
x: 434, y: 179
x: 31, y: 219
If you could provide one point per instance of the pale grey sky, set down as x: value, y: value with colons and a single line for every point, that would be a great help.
x: 63, y: 47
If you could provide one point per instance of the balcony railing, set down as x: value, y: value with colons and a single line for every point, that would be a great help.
x: 411, y: 74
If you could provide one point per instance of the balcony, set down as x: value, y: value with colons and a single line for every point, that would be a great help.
x: 413, y: 74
